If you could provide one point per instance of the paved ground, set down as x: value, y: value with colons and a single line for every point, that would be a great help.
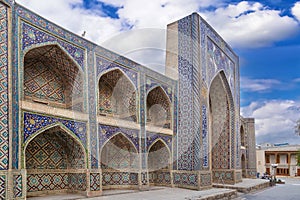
x: 288, y: 191
x: 157, y: 193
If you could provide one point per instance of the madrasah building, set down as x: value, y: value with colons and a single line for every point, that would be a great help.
x: 78, y: 118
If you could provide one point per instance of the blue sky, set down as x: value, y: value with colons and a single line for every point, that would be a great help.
x: 265, y: 35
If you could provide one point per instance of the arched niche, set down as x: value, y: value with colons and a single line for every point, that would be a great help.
x: 52, y: 78
x: 117, y: 96
x: 221, y: 122
x: 119, y: 163
x: 159, y: 164
x: 54, y: 163
x: 158, y: 108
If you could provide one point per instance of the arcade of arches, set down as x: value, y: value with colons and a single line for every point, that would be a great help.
x: 77, y: 118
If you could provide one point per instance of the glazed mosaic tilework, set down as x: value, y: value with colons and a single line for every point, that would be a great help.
x: 2, y: 187
x: 188, y: 179
x: 4, y: 123
x: 57, y: 181
x: 95, y: 184
x: 35, y: 122
x: 153, y: 137
x: 119, y: 178
x: 160, y: 178
x: 17, y: 186
x: 32, y: 37
x: 104, y: 65
x: 202, y: 55
x: 107, y: 132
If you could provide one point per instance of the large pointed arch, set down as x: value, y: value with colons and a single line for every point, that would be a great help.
x: 57, y: 126
x: 222, y: 120
x: 158, y: 108
x: 119, y: 153
x: 54, y: 149
x: 159, y: 163
x: 52, y: 77
x: 117, y: 95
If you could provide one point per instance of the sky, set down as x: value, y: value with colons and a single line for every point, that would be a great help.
x: 264, y: 34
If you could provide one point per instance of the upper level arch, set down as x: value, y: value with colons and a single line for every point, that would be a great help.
x: 52, y: 77
x: 158, y: 108
x: 117, y: 95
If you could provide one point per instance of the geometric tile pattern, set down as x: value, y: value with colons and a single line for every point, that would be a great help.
x: 77, y: 181
x: 189, y: 179
x: 117, y: 95
x: 119, y: 154
x: 95, y: 182
x: 144, y: 178
x: 185, y: 136
x: 56, y: 181
x: 205, y: 142
x: 47, y: 181
x: 34, y: 122
x: 104, y: 65
x: 119, y: 178
x: 54, y: 149
x: 220, y: 125
x: 42, y: 82
x: 4, y: 123
x: 17, y: 185
x: 160, y: 177
x: 2, y: 187
x: 152, y: 83
x: 158, y: 108
x: 94, y: 136
x: 205, y: 180
x: 106, y: 132
x: 226, y: 176
x: 32, y: 37
x: 152, y: 137
x: 49, y: 73
x: 159, y: 157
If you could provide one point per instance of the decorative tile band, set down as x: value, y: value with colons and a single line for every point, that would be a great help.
x: 95, y: 182
x: 152, y: 137
x: 185, y: 179
x: 32, y: 37
x: 47, y: 181
x: 104, y: 65
x: 2, y: 187
x: 17, y: 186
x: 4, y: 121
x: 35, y: 122
x: 160, y: 177
x: 119, y: 178
x: 151, y: 83
x: 106, y: 132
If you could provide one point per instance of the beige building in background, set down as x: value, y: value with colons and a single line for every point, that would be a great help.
x: 284, y: 155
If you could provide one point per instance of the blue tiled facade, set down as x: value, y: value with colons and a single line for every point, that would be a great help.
x: 85, y: 134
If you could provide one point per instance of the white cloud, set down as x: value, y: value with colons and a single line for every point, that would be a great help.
x: 297, y: 80
x: 71, y: 15
x: 274, y: 120
x: 258, y: 85
x: 242, y: 25
x: 251, y: 24
x: 296, y: 10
